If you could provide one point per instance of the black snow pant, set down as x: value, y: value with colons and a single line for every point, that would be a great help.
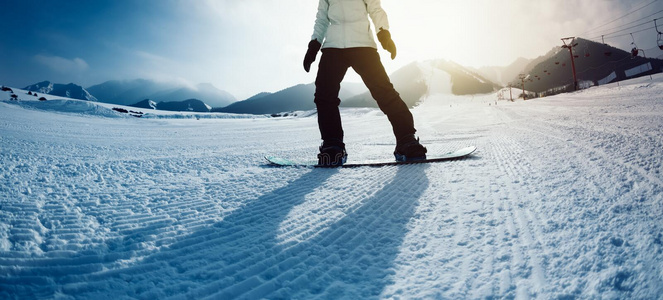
x: 366, y: 62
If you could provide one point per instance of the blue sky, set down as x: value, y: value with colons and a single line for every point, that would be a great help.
x: 251, y: 46
x: 88, y: 42
x: 78, y: 41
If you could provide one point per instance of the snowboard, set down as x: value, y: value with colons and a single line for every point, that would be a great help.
x: 458, y: 154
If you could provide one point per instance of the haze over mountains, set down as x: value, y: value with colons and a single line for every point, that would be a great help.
x: 504, y: 75
x: 596, y: 64
x: 419, y: 79
x: 128, y: 92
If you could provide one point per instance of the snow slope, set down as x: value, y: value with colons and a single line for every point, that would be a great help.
x: 563, y: 200
x: 92, y: 108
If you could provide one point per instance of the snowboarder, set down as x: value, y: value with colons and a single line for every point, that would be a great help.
x: 343, y: 31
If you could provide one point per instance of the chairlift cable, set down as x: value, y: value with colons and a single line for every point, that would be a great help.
x: 615, y: 20
x: 638, y: 20
x: 626, y: 34
x: 625, y: 29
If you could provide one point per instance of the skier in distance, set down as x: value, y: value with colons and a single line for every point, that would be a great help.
x: 343, y: 31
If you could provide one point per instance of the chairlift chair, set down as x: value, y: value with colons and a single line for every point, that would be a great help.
x: 659, y: 37
x: 635, y: 50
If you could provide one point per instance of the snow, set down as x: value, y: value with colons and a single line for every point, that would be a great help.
x: 66, y: 105
x: 562, y: 200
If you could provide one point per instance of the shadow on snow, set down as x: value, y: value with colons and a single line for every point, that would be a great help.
x: 242, y: 257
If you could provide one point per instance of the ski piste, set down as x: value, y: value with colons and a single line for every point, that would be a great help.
x: 457, y: 154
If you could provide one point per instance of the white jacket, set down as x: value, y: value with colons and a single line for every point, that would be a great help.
x: 344, y: 23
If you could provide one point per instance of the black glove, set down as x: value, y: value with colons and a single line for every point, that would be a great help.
x: 387, y: 43
x: 313, y: 48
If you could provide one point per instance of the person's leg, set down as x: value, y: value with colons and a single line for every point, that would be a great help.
x: 366, y: 62
x: 331, y: 70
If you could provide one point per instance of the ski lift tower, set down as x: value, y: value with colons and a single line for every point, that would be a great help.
x: 573, y: 64
x: 522, y: 81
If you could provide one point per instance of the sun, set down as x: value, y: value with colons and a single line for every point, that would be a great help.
x: 436, y: 29
x: 472, y: 33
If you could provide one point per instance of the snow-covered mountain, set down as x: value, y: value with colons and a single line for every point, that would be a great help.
x: 412, y: 82
x: 189, y: 105
x: 64, y: 90
x: 595, y: 64
x: 205, y: 92
x: 421, y: 79
x: 295, y: 98
x: 195, y: 105
x: 191, y: 108
x: 147, y: 103
x: 128, y: 92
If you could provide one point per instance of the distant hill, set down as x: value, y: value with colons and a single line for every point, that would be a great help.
x: 63, y: 90
x: 408, y: 82
x: 504, y: 75
x: 147, y: 103
x: 595, y: 63
x: 206, y: 92
x: 299, y: 97
x: 186, y: 105
x: 418, y: 79
x: 127, y: 92
x: 465, y: 81
x: 259, y: 95
x: 412, y: 82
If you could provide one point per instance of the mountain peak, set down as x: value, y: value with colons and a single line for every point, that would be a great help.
x: 69, y: 90
x: 128, y: 92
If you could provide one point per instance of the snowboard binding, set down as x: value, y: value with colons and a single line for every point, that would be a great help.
x: 332, y: 154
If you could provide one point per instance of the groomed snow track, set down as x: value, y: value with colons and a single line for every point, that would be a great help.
x: 562, y: 200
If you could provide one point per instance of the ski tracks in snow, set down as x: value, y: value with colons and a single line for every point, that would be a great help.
x: 597, y: 191
x: 560, y: 201
x: 482, y: 238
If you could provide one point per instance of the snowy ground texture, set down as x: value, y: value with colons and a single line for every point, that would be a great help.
x: 563, y: 200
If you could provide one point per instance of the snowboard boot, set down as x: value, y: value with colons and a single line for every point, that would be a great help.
x: 332, y: 154
x: 408, y: 148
